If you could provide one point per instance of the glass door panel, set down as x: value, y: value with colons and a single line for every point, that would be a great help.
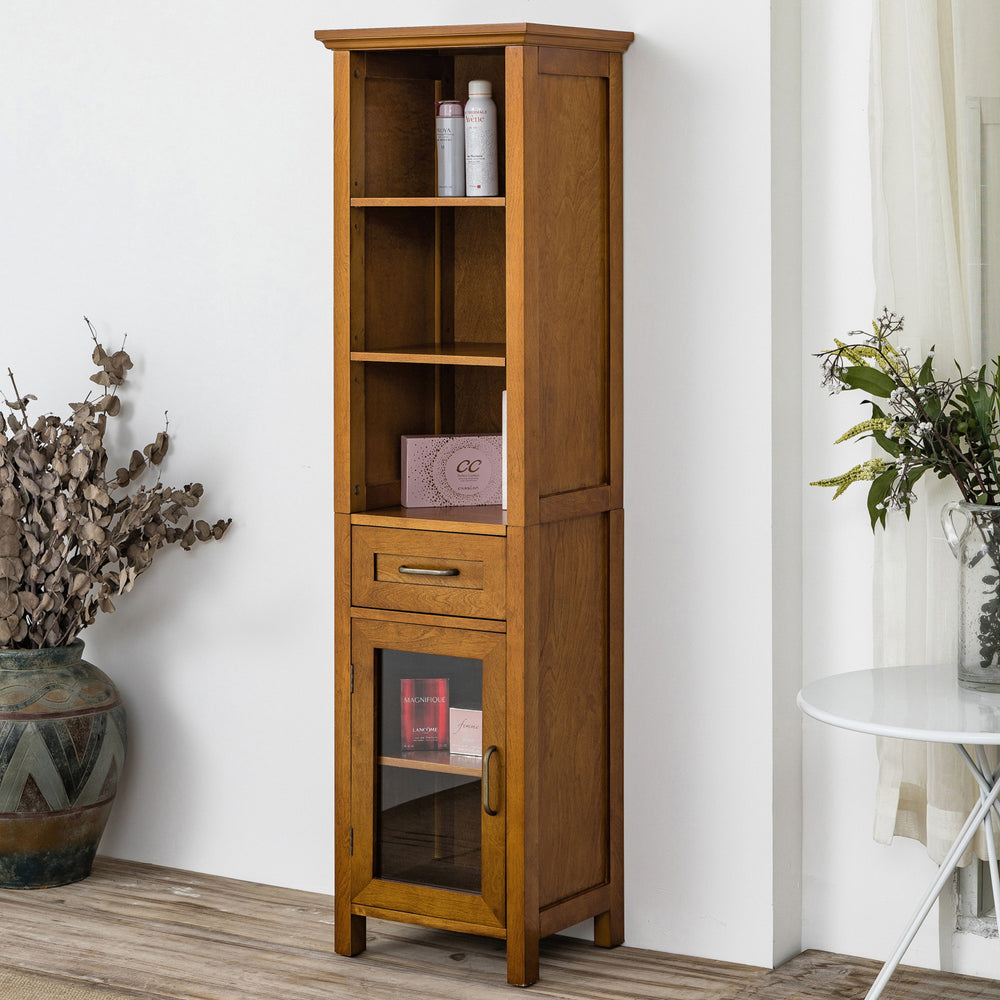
x: 428, y: 723
x: 429, y: 777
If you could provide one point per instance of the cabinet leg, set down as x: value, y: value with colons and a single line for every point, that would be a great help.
x: 609, y: 928
x: 349, y: 935
x: 522, y: 960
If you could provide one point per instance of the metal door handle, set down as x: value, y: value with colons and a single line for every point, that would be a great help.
x: 487, y: 808
x: 420, y: 571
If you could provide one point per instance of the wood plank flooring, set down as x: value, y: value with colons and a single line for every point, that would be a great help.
x: 134, y: 930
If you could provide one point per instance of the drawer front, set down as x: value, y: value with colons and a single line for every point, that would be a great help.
x: 436, y: 572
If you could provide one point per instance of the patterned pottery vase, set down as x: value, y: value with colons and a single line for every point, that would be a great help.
x: 62, y: 747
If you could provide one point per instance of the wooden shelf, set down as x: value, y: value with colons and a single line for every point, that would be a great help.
x: 428, y: 202
x: 436, y: 760
x: 488, y: 355
x: 489, y: 519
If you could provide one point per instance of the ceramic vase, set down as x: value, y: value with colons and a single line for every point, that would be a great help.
x: 62, y: 748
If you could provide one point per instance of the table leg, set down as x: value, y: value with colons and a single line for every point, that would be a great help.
x: 985, y: 778
x: 950, y: 863
x: 991, y: 847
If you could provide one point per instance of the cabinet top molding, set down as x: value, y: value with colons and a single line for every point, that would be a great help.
x: 471, y: 35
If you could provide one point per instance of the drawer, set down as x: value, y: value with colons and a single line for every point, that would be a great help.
x: 437, y: 572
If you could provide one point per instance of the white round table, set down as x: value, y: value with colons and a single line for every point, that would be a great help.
x: 922, y: 703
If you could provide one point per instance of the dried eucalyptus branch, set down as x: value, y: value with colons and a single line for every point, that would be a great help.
x: 72, y: 536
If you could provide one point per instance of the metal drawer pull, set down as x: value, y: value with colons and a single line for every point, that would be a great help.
x: 487, y: 808
x: 419, y: 571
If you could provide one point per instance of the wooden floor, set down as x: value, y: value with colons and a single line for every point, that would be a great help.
x: 133, y: 930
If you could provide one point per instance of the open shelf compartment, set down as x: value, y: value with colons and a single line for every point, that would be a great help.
x: 398, y: 92
x: 392, y: 400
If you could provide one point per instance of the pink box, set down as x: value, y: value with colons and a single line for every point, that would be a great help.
x: 466, y: 731
x: 451, y: 471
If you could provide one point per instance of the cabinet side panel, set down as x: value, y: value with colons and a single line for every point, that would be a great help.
x: 574, y: 691
x: 349, y: 931
x: 348, y: 277
x: 572, y: 207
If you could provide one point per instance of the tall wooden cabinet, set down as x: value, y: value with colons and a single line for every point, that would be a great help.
x: 441, y: 304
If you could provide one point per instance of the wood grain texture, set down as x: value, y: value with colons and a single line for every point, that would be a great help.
x: 817, y: 975
x: 573, y: 704
x: 575, y: 503
x: 523, y: 792
x: 479, y: 288
x: 348, y: 454
x: 398, y: 400
x: 135, y: 930
x: 609, y: 925
x: 350, y: 930
x: 616, y: 289
x: 574, y: 910
x: 428, y: 202
x: 475, y: 35
x: 478, y: 590
x: 443, y: 621
x: 572, y: 62
x: 435, y: 760
x: 522, y: 349
x: 570, y: 145
x: 399, y: 278
x: 396, y: 126
x: 486, y: 520
x: 489, y: 355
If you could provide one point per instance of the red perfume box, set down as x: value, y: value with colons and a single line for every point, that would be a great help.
x: 423, y: 713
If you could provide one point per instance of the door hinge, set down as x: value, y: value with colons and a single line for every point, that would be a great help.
x: 352, y: 678
x: 350, y: 842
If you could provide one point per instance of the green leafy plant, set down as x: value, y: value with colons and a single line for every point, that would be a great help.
x: 949, y: 427
x: 923, y: 423
x: 73, y: 535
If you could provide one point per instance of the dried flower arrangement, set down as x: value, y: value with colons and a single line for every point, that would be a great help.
x: 71, y: 535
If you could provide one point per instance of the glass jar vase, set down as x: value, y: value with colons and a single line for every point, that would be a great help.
x: 976, y: 544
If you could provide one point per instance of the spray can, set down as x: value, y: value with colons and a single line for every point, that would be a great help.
x: 450, y: 129
x: 481, y: 177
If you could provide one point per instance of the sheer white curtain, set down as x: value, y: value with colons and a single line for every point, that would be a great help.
x: 934, y: 63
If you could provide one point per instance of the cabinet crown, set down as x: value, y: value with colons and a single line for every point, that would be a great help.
x: 471, y: 35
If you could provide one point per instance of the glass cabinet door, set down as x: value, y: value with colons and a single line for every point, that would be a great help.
x: 427, y: 721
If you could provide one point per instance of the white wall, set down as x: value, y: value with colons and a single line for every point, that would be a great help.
x: 166, y: 171
x: 698, y: 543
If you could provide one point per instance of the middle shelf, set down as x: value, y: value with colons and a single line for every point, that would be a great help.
x: 490, y: 355
x: 428, y: 202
